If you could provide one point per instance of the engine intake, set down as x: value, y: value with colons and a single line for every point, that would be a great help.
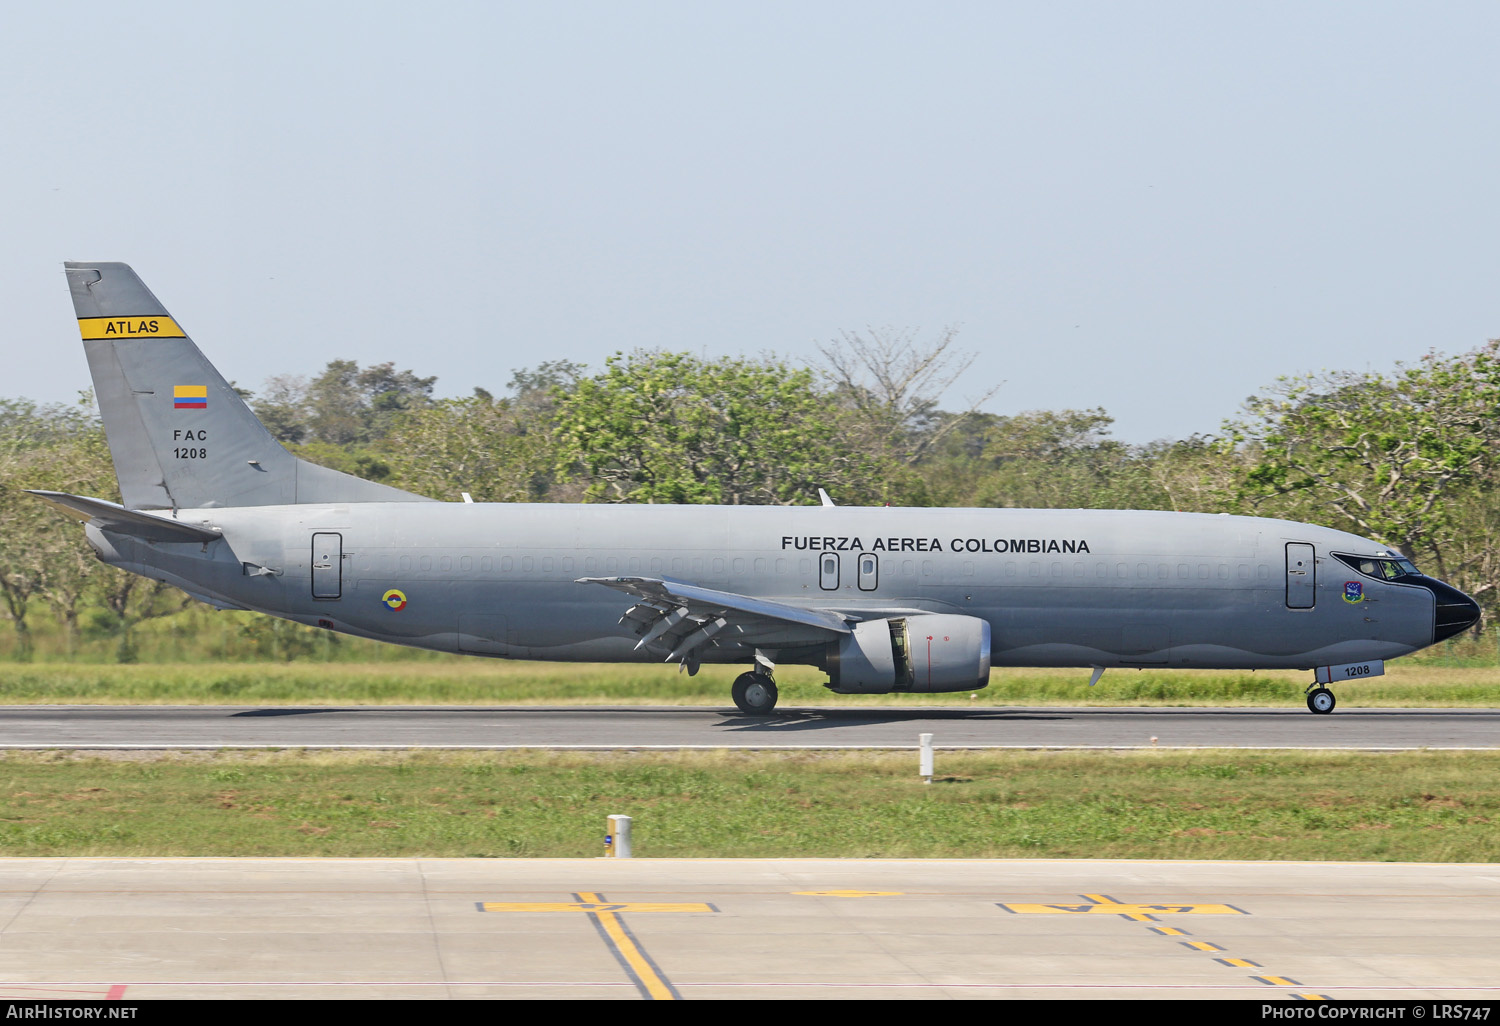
x: 929, y: 653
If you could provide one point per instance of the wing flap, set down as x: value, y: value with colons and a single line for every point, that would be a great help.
x: 684, y: 619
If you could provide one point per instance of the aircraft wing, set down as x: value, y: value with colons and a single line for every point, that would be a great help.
x: 111, y: 516
x: 684, y: 619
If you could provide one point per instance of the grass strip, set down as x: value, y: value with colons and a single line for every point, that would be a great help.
x: 1425, y: 806
x: 458, y: 681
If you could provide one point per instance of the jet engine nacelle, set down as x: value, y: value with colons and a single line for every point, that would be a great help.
x: 936, y: 652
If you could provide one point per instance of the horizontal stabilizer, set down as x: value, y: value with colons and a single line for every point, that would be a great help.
x: 109, y: 516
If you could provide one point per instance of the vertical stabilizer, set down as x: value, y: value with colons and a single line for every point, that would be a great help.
x: 181, y: 437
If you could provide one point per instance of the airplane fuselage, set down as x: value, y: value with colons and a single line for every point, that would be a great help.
x: 1057, y: 587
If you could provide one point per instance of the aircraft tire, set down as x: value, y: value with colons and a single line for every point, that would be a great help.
x: 754, y: 693
x: 1321, y: 701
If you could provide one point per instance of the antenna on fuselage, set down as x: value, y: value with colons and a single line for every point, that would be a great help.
x: 824, y: 497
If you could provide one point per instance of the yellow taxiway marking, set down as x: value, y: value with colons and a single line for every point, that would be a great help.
x: 1279, y: 981
x: 849, y: 894
x: 1202, y: 945
x: 640, y: 967
x: 605, y: 915
x: 1102, y: 904
x: 595, y: 906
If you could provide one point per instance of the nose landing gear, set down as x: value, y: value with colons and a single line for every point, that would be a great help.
x: 1320, y: 699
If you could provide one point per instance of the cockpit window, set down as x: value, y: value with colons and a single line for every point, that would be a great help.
x: 1382, y: 568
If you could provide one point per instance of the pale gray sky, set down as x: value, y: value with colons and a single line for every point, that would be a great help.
x: 1156, y: 208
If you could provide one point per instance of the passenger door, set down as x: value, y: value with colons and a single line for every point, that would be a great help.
x: 1301, y: 576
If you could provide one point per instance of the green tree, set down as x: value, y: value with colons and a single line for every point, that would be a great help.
x: 885, y: 385
x: 1377, y: 454
x: 494, y: 449
x: 669, y: 427
x: 43, y: 555
x: 350, y: 405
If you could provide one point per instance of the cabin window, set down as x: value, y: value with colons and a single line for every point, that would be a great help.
x: 507, y: 564
x: 528, y: 564
x: 546, y: 564
x: 425, y: 563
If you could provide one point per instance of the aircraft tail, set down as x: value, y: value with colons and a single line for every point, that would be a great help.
x: 181, y: 437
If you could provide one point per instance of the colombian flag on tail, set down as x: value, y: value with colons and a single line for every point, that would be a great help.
x: 190, y: 397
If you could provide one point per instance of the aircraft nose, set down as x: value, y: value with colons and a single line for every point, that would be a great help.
x: 1456, y: 612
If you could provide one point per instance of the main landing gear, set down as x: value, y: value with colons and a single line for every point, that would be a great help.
x: 755, y: 693
x: 1320, y: 699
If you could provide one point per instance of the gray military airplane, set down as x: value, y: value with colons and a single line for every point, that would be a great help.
x: 882, y: 599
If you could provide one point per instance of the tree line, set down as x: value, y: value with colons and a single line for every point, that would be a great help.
x: 1409, y: 457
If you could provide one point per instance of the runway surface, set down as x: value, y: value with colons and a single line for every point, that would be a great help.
x: 688, y: 727
x: 629, y: 929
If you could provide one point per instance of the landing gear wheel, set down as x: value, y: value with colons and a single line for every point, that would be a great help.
x: 754, y: 693
x: 1321, y: 700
